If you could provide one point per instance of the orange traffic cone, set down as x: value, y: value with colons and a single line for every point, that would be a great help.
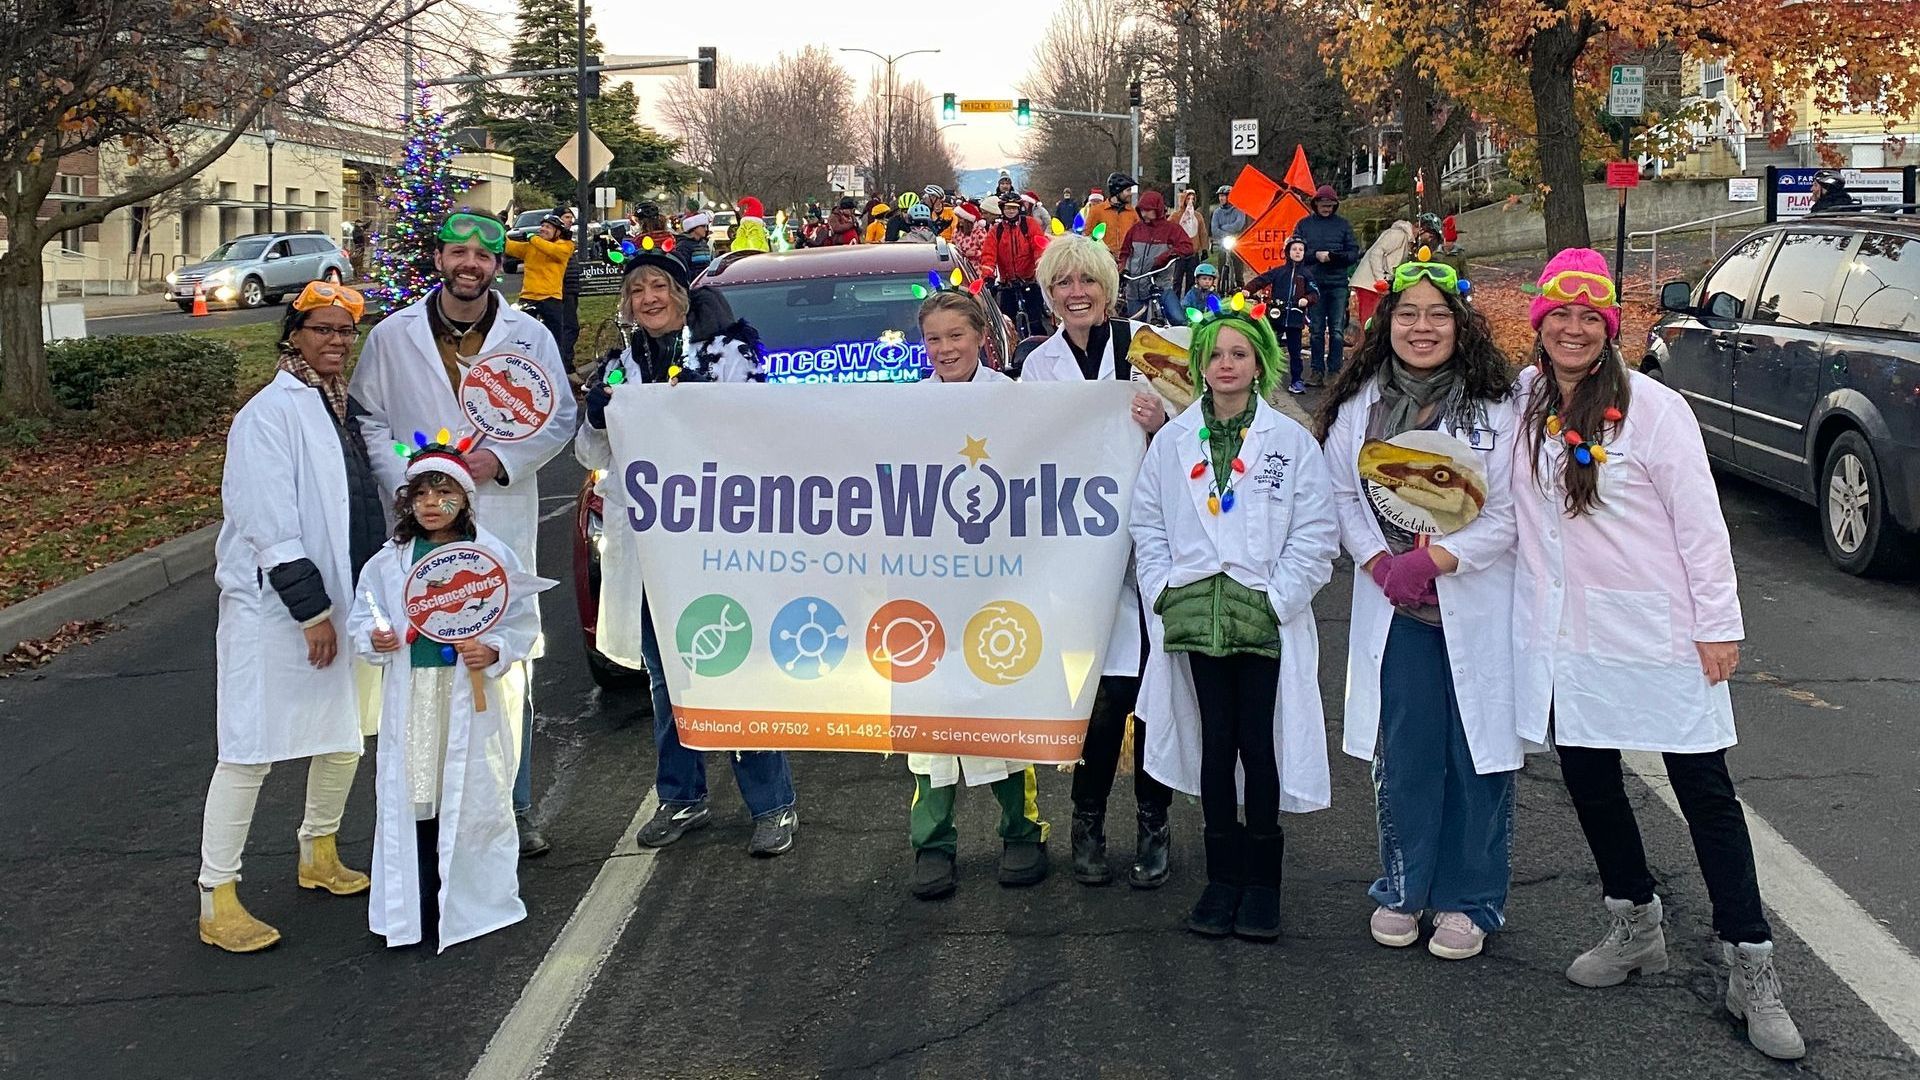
x: 199, y: 301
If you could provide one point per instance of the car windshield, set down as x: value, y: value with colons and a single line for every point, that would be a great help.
x: 238, y: 251
x: 833, y: 330
x: 529, y: 218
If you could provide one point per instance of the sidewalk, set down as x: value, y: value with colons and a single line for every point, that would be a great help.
x: 153, y: 303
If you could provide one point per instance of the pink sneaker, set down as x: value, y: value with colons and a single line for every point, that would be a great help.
x: 1394, y: 929
x: 1455, y: 937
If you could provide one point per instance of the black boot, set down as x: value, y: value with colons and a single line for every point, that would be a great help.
x: 1090, y: 848
x: 1259, y: 915
x: 1151, y: 865
x: 1214, y: 914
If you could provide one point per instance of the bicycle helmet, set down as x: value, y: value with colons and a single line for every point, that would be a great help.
x: 647, y: 211
x: 1223, y: 189
x: 1430, y: 221
x: 906, y: 200
x: 919, y: 214
x: 933, y: 191
x: 1119, y: 182
x: 1831, y: 179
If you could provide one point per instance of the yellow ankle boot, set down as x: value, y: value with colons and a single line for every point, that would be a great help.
x: 225, y: 922
x: 320, y: 869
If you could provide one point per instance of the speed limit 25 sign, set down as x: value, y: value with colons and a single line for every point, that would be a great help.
x: 1246, y: 138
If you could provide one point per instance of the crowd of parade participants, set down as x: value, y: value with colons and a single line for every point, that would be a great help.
x: 1538, y: 560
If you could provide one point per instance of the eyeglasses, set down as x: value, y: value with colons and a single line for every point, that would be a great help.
x: 1569, y: 286
x: 460, y: 228
x: 319, y: 294
x: 1408, y: 316
x: 344, y: 333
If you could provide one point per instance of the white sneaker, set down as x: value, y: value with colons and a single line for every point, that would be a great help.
x: 1455, y: 937
x: 1394, y: 929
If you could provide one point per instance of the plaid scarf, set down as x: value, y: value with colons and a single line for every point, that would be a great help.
x: 333, y: 390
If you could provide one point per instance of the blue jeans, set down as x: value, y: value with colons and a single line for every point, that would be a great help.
x: 1327, y: 329
x: 1170, y: 304
x: 1446, y: 832
x: 680, y: 776
x: 523, y: 780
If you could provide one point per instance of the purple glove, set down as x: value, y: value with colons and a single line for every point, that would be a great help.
x: 1410, y: 579
x: 1381, y: 567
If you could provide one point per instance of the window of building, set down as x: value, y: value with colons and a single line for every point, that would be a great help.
x: 1713, y: 79
x: 1882, y: 286
x: 1800, y: 282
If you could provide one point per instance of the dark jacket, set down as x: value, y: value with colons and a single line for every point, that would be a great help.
x: 1066, y: 210
x: 1834, y: 202
x: 1290, y: 286
x: 1332, y: 234
x: 1153, y: 245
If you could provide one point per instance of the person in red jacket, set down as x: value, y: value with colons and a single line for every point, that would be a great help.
x: 1010, y: 252
x: 842, y: 226
x: 1149, y: 258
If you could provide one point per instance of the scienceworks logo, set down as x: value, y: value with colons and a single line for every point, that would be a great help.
x: 978, y: 499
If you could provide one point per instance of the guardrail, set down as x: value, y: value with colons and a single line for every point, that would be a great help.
x: 1653, y: 235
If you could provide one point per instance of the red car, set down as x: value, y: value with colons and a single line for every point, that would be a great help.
x: 856, y: 302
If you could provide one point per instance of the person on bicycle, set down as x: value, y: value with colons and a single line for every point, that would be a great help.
x: 935, y: 199
x: 1116, y: 213
x: 921, y: 228
x: 1229, y: 221
x: 1010, y: 254
x: 1149, y: 258
x: 544, y: 257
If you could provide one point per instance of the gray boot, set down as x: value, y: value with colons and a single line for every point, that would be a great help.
x: 1753, y: 994
x: 1634, y: 942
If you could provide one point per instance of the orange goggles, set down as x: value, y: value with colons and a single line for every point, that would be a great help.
x: 1579, y: 286
x: 319, y: 294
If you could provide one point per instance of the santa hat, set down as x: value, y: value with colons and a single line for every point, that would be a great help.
x: 440, y: 455
x: 1030, y: 199
x: 1094, y: 197
x: 1592, y: 287
x: 751, y: 207
x: 967, y: 212
x: 694, y: 221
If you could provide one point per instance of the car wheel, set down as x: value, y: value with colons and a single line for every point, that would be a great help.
x: 1860, y: 538
x: 252, y: 293
x: 186, y: 306
x: 611, y: 676
x: 1652, y: 371
x: 332, y: 275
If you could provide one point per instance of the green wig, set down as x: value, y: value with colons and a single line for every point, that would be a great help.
x: 1266, y: 348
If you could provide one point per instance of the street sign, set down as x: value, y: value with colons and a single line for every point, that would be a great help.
x: 1182, y: 170
x: 840, y: 178
x: 604, y: 198
x: 1790, y: 190
x: 985, y: 105
x: 1623, y: 174
x: 598, y: 156
x: 1627, y: 91
x: 1246, y: 138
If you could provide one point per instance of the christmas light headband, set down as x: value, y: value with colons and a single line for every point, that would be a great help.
x: 630, y: 247
x: 1236, y: 305
x: 440, y: 454
x: 956, y: 281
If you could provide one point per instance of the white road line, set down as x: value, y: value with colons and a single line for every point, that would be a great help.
x: 566, y: 508
x: 547, y: 1004
x: 1871, y: 961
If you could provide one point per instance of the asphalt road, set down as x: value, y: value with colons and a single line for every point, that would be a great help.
x: 820, y: 964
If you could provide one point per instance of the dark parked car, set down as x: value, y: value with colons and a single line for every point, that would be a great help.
x: 839, y: 314
x: 1800, y: 354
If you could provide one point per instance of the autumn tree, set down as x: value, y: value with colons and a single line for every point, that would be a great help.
x: 1539, y: 67
x: 165, y: 85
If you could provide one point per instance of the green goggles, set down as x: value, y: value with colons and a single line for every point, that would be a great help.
x: 1444, y: 277
x: 460, y: 228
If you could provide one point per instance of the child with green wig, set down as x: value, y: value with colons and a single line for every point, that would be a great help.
x: 1234, y: 532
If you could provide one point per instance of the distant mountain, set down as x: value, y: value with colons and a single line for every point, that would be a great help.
x: 977, y: 182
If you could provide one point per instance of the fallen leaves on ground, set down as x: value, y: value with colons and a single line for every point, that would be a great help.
x: 1500, y: 295
x: 33, y: 654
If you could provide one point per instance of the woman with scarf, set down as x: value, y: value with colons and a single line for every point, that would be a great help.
x: 1627, y: 627
x: 676, y: 337
x: 1193, y: 222
x: 302, y: 514
x: 1418, y: 432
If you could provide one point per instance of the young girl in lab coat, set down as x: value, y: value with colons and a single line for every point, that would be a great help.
x: 446, y: 851
x: 1234, y: 532
x: 1418, y: 432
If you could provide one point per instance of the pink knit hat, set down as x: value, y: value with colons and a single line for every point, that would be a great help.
x: 1590, y: 283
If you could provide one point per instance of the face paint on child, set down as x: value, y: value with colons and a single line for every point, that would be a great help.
x: 438, y: 505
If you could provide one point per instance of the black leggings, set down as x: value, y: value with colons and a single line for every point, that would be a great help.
x: 427, y: 840
x: 1236, y: 696
x: 1100, y: 758
x: 1719, y: 828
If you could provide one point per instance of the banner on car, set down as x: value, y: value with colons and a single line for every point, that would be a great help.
x: 877, y: 567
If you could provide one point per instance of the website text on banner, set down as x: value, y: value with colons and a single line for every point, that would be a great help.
x: 878, y: 567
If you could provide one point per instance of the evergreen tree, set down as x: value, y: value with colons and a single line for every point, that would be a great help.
x: 418, y: 196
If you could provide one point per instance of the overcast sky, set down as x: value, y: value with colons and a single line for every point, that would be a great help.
x: 975, y: 60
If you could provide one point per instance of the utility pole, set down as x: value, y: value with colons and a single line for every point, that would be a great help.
x: 583, y: 196
x: 406, y: 61
x: 881, y: 182
x: 1185, y: 18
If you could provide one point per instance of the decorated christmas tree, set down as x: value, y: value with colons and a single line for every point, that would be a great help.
x: 418, y: 196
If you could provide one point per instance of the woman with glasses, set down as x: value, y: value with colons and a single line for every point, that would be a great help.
x: 1418, y: 433
x: 1627, y: 624
x: 303, y: 512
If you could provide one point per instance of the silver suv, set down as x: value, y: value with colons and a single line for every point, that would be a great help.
x: 260, y: 269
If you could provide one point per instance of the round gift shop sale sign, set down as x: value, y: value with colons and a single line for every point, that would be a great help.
x: 457, y: 593
x: 507, y: 397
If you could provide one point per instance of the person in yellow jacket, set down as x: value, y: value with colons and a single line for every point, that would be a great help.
x: 877, y: 223
x: 543, y: 258
x: 750, y: 234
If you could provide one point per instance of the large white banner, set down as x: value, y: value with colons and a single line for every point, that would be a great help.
x: 875, y: 567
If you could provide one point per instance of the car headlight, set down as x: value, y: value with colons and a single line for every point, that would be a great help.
x: 173, y: 277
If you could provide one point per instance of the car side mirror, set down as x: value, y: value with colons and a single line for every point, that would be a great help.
x: 1722, y: 305
x: 272, y: 255
x: 1676, y: 296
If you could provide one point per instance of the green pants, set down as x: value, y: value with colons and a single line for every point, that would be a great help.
x: 932, y: 816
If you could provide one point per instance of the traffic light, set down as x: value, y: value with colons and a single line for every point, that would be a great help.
x: 590, y: 79
x: 709, y: 67
x: 1134, y: 99
x: 1023, y: 113
x: 949, y: 108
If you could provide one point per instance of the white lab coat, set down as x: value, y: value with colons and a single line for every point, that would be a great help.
x: 1052, y: 361
x: 404, y: 387
x: 479, y: 842
x: 620, y: 585
x: 1476, y: 601
x: 1280, y: 537
x: 284, y: 497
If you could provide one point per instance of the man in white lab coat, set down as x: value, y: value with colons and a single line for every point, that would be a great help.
x: 409, y: 380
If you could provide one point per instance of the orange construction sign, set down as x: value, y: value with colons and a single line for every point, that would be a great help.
x: 1253, y: 192
x: 1264, y: 245
x: 1300, y: 175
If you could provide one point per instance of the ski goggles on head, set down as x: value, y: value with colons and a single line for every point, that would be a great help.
x: 1408, y: 274
x: 1579, y: 286
x: 460, y: 228
x: 320, y: 294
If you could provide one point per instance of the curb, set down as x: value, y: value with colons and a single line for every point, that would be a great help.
x: 108, y: 589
